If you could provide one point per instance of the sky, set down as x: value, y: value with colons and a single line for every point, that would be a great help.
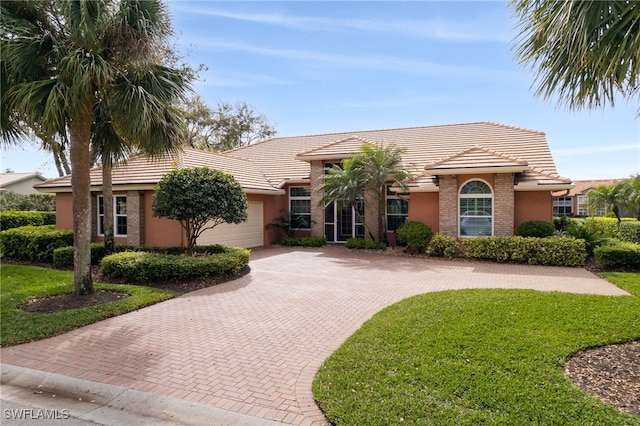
x: 334, y: 66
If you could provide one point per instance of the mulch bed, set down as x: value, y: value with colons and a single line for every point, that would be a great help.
x: 612, y: 373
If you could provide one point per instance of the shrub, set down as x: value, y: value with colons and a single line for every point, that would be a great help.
x: 34, y: 243
x: 443, y: 245
x: 590, y: 232
x: 304, y: 241
x: 623, y: 255
x: 608, y: 225
x: 362, y: 244
x: 15, y: 219
x: 630, y: 232
x: 535, y: 228
x: 558, y: 251
x: 63, y: 256
x: 27, y: 202
x: 415, y: 234
x: 144, y: 266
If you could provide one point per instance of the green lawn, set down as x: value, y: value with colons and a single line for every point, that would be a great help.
x: 22, y: 283
x: 477, y: 357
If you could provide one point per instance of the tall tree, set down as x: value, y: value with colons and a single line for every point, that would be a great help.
x: 61, y: 58
x: 585, y: 51
x: 227, y: 127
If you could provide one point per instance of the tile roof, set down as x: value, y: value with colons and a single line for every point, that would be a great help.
x: 476, y: 157
x: 143, y: 172
x: 583, y: 186
x: 267, y: 165
x: 280, y: 158
x: 12, y: 178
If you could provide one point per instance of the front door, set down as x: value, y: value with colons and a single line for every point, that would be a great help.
x: 341, y: 223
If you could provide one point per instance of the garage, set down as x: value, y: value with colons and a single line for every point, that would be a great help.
x: 246, y: 234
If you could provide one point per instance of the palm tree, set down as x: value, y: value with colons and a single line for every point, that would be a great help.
x: 382, y: 165
x: 345, y: 186
x: 585, y: 51
x: 61, y: 58
x: 609, y: 196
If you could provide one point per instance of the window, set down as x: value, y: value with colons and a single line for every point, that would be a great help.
x: 397, y: 210
x: 119, y: 215
x: 562, y: 206
x: 300, y: 207
x: 476, y: 209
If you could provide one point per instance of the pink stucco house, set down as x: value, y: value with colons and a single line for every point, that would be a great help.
x: 469, y: 179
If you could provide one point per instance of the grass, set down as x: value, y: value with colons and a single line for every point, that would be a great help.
x: 477, y: 357
x: 23, y: 283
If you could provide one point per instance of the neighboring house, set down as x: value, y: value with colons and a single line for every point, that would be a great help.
x: 20, y: 183
x: 469, y: 179
x: 574, y: 201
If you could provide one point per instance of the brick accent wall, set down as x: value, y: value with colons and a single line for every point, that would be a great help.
x: 135, y: 218
x: 503, y: 204
x: 371, y: 215
x: 317, y: 211
x: 448, y: 205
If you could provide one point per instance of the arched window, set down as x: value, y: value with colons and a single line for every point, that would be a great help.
x: 476, y: 209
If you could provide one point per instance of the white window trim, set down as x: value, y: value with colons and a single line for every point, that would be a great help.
x: 115, y: 216
x: 303, y: 198
x: 460, y: 195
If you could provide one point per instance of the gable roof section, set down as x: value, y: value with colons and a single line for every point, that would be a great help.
x: 477, y: 159
x: 338, y: 150
x: 584, y: 186
x: 8, y: 179
x: 141, y: 172
x: 279, y: 161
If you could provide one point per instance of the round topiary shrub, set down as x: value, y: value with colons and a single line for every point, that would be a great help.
x: 442, y: 245
x: 415, y: 235
x: 536, y: 228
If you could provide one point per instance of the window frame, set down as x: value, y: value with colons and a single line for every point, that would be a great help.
x: 116, y: 215
x: 391, y: 195
x: 300, y: 198
x: 462, y: 196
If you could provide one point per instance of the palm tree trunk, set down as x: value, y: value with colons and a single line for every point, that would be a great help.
x: 56, y: 160
x: 107, y: 198
x: 80, y: 133
x: 354, y: 206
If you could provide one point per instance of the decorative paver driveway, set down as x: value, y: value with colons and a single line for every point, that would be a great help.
x: 253, y: 345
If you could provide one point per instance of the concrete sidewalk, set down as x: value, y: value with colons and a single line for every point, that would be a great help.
x: 252, y: 346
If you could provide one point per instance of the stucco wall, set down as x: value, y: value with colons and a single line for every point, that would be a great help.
x: 64, y: 210
x: 158, y: 231
x: 423, y: 207
x: 533, y: 206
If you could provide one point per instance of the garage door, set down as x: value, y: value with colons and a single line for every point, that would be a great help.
x: 246, y: 234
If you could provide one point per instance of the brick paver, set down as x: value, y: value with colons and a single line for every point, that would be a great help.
x: 253, y: 345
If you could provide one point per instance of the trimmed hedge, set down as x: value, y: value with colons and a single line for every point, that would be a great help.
x: 442, y: 245
x: 362, y: 244
x: 415, y: 234
x: 556, y: 251
x: 143, y: 266
x: 535, y: 228
x: 630, y: 232
x: 34, y: 243
x: 620, y: 256
x: 304, y: 241
x: 63, y: 256
x: 14, y: 219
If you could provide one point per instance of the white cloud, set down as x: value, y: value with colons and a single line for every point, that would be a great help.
x: 481, y: 29
x: 336, y: 60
